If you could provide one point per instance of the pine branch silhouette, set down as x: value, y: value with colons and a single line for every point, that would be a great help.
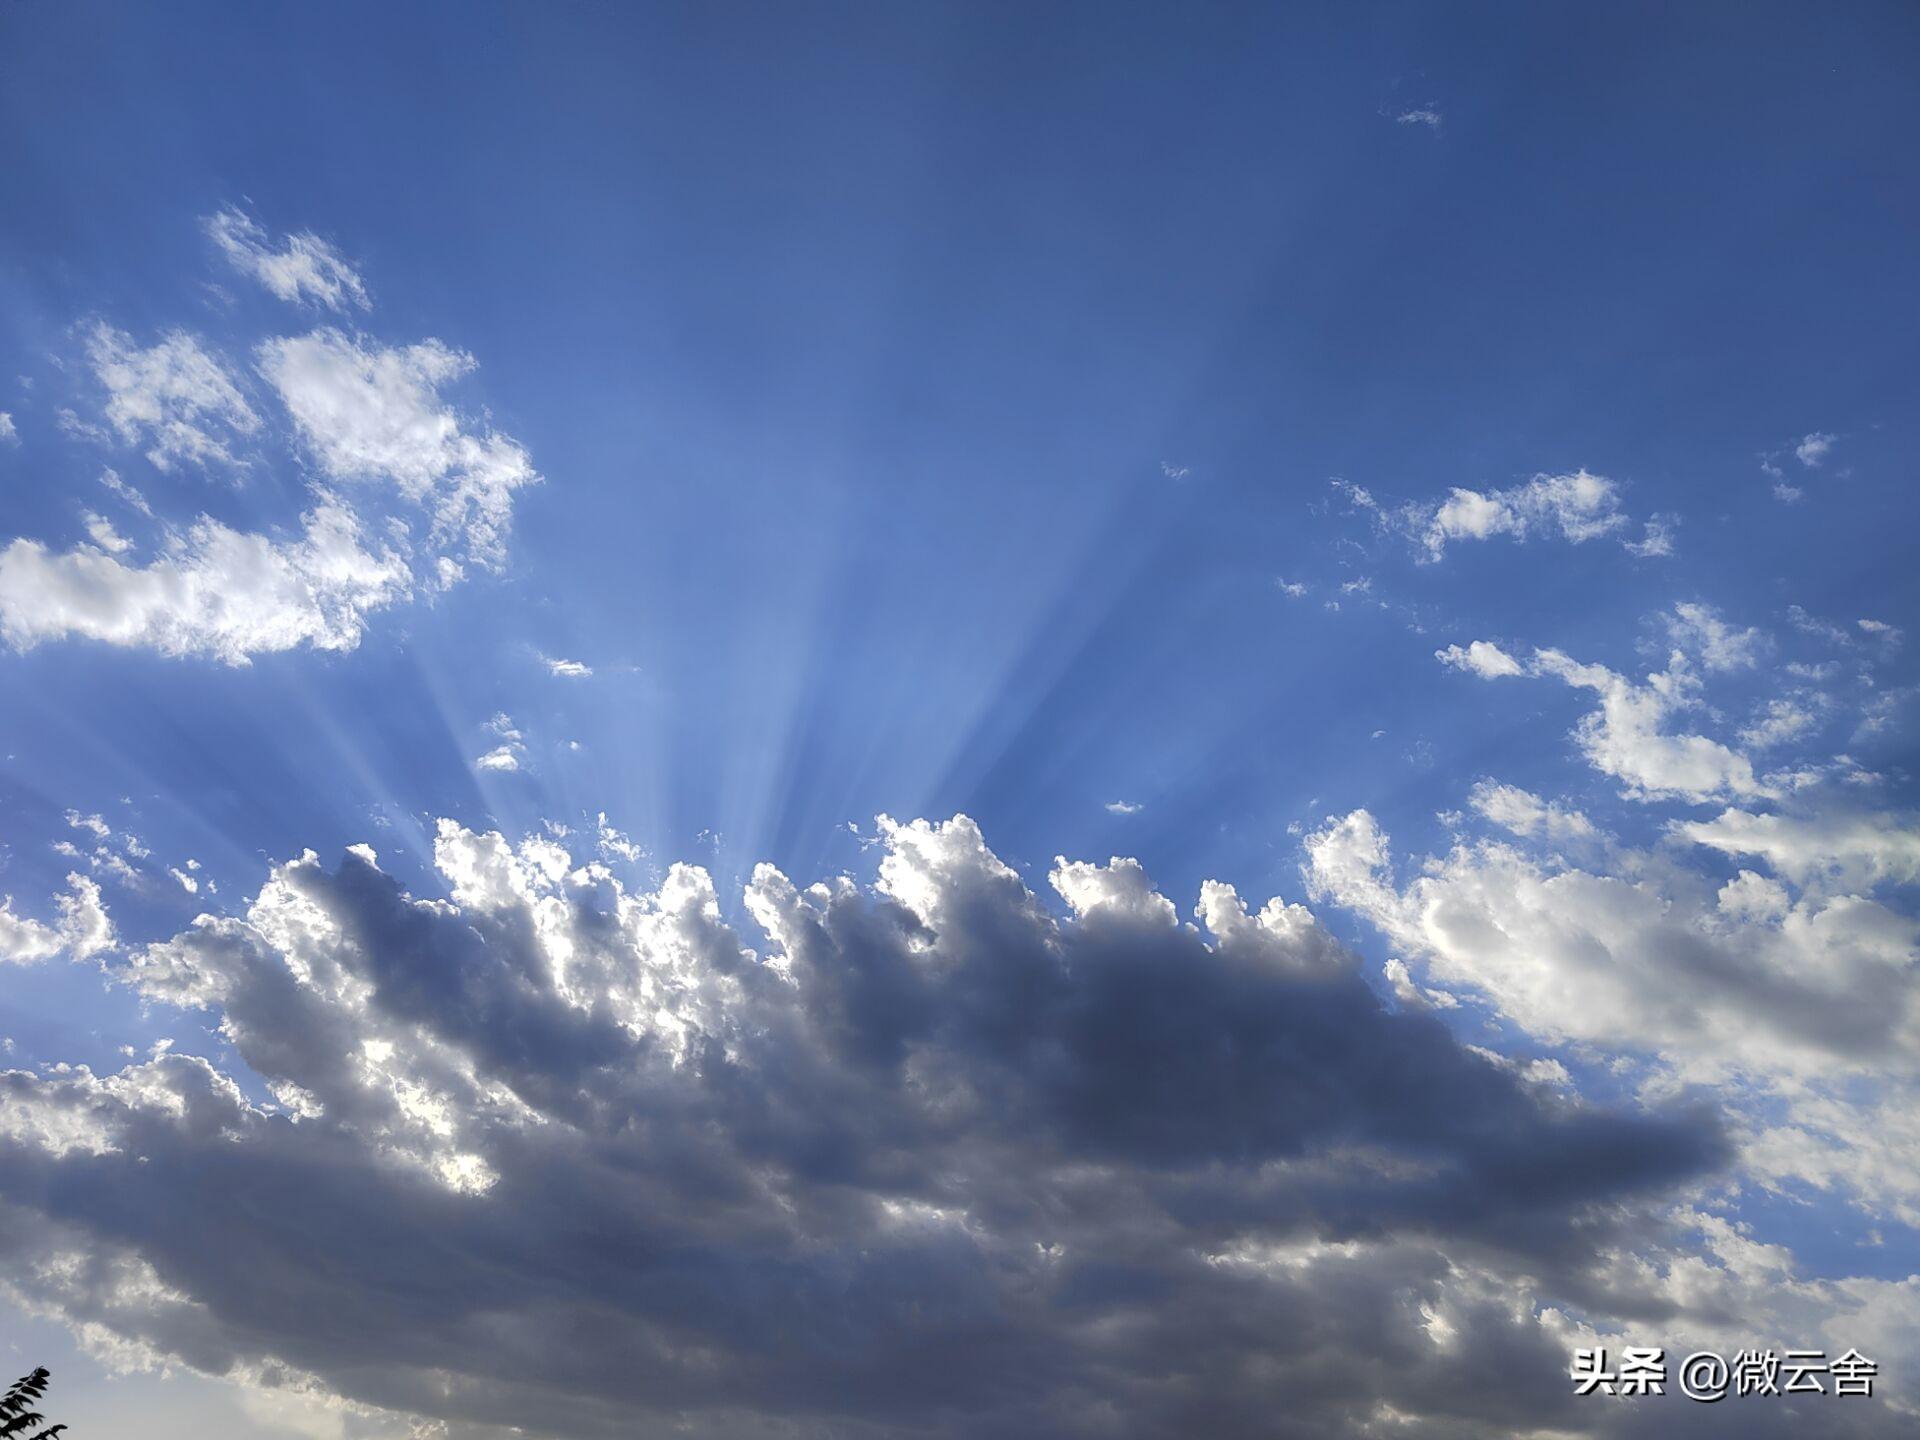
x: 18, y: 1419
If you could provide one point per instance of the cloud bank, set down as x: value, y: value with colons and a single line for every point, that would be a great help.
x: 938, y: 1158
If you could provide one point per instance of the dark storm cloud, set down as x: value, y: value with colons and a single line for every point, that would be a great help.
x: 940, y: 1163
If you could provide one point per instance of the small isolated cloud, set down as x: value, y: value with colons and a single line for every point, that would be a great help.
x: 1482, y: 658
x: 1880, y: 630
x: 1575, y: 507
x: 8, y: 433
x: 1293, y: 589
x: 1173, y: 471
x: 1427, y: 115
x: 1810, y: 624
x: 1124, y: 807
x: 127, y: 493
x: 1813, y: 450
x: 305, y: 268
x: 568, y: 669
x: 1782, y: 490
x: 511, y: 750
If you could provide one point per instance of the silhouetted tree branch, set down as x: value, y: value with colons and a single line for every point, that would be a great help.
x: 18, y: 1419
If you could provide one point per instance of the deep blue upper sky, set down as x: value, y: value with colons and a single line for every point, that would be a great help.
x: 852, y: 340
x: 934, y: 401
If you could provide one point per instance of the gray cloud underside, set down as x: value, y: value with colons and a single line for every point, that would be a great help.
x: 555, y: 1155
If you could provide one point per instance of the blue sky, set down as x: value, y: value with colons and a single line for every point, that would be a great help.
x: 688, y: 433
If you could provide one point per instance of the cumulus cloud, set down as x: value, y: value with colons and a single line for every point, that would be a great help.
x: 1628, y: 736
x: 1832, y: 847
x: 512, y: 749
x: 1748, y: 977
x: 374, y: 413
x: 1426, y: 115
x: 82, y: 931
x: 1813, y: 449
x: 1482, y: 658
x: 551, y: 1153
x: 174, y: 397
x: 410, y: 494
x: 212, y: 590
x: 9, y: 434
x: 306, y: 268
x: 568, y: 669
x: 1575, y: 507
x: 1701, y: 632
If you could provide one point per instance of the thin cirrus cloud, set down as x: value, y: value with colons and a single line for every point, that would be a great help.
x: 409, y: 495
x: 306, y: 268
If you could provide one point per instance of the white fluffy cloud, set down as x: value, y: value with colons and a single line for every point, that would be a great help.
x: 307, y: 268
x: 512, y: 749
x: 1576, y: 507
x: 1628, y: 736
x: 83, y: 930
x: 1747, y: 976
x: 370, y: 412
x: 212, y: 591
x: 1813, y: 449
x: 1832, y: 848
x: 410, y: 494
x: 1482, y: 658
x: 174, y: 397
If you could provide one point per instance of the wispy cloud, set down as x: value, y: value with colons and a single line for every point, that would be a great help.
x: 305, y: 268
